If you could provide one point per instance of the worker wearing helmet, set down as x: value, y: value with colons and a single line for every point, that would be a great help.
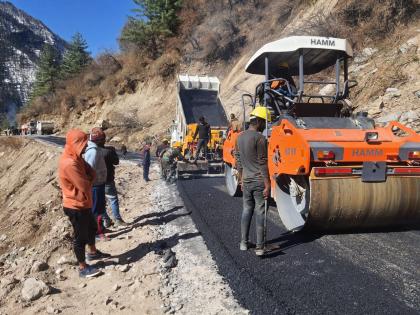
x: 251, y: 162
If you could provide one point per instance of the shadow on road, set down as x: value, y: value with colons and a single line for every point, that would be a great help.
x: 156, y: 214
x: 158, y: 246
x: 285, y: 241
x: 156, y: 218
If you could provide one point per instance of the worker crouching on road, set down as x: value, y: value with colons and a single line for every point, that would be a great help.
x: 76, y: 178
x: 204, y: 136
x: 159, y: 152
x: 94, y: 156
x: 168, y: 162
x: 251, y: 162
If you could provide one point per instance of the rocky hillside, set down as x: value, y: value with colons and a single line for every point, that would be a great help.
x: 21, y: 39
x: 219, y: 37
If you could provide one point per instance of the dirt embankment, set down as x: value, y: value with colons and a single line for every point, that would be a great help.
x: 160, y: 263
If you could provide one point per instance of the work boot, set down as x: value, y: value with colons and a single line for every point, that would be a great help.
x: 243, y: 245
x: 259, y: 250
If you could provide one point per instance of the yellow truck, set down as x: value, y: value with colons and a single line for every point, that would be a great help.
x: 199, y: 96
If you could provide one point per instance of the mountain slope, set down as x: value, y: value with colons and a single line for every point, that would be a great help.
x: 21, y: 39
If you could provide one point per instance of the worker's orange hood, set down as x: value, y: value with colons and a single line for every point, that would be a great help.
x: 76, y: 141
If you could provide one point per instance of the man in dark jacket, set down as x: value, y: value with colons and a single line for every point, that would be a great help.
x: 111, y: 159
x: 204, y: 136
x: 146, y: 160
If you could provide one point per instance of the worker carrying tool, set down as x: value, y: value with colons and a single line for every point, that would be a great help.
x: 204, y: 136
x: 169, y: 157
x: 251, y: 163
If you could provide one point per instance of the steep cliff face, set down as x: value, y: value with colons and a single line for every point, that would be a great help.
x: 21, y: 39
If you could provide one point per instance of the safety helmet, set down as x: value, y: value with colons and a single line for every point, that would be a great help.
x: 284, y: 64
x: 261, y: 112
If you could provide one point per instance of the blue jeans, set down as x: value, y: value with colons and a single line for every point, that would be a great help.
x: 99, y: 205
x: 112, y: 197
x: 253, y: 201
x: 146, y: 171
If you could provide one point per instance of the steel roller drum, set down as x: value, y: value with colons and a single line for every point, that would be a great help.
x: 343, y: 204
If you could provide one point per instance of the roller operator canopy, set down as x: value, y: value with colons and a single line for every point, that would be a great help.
x: 318, y: 53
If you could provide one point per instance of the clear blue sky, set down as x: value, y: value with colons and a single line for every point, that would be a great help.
x: 99, y: 21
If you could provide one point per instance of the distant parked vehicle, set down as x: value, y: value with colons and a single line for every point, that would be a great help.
x: 44, y: 127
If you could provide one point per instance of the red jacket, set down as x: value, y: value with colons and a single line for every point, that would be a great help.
x: 75, y: 175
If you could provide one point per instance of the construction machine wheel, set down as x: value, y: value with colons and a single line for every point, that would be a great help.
x: 347, y: 204
x: 232, y: 185
x: 292, y: 196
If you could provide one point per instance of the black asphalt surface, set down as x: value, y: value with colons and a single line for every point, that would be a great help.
x: 362, y: 273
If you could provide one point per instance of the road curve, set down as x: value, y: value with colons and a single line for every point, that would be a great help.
x: 363, y: 273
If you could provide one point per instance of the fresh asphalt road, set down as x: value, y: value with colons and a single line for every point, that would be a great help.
x: 361, y: 273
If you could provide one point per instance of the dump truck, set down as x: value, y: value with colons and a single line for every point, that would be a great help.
x: 199, y: 96
x: 331, y: 168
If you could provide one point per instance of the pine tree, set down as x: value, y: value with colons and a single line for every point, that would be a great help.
x: 76, y: 58
x: 155, y: 20
x: 47, y: 73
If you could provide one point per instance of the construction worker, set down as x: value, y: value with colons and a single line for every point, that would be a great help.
x: 164, y: 145
x: 111, y: 194
x: 76, y: 178
x: 204, y: 136
x: 169, y: 158
x: 235, y: 124
x: 123, y: 149
x: 94, y: 156
x: 282, y: 71
x: 251, y: 162
x: 146, y: 160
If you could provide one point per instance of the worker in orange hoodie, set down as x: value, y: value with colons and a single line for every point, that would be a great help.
x: 76, y: 178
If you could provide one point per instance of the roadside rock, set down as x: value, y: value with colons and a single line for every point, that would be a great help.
x: 327, y: 90
x: 365, y: 54
x: 64, y: 260
x: 52, y: 310
x: 123, y: 268
x: 3, y: 237
x: 417, y: 93
x: 39, y: 266
x: 390, y: 117
x: 33, y: 289
x: 169, y: 259
x: 410, y: 115
x: 392, y: 92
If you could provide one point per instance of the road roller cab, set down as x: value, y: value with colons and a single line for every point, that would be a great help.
x: 331, y: 168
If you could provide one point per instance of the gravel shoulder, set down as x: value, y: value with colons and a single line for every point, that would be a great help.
x: 160, y: 263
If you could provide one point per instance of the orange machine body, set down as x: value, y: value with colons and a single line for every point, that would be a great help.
x: 229, y: 147
x: 295, y: 151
